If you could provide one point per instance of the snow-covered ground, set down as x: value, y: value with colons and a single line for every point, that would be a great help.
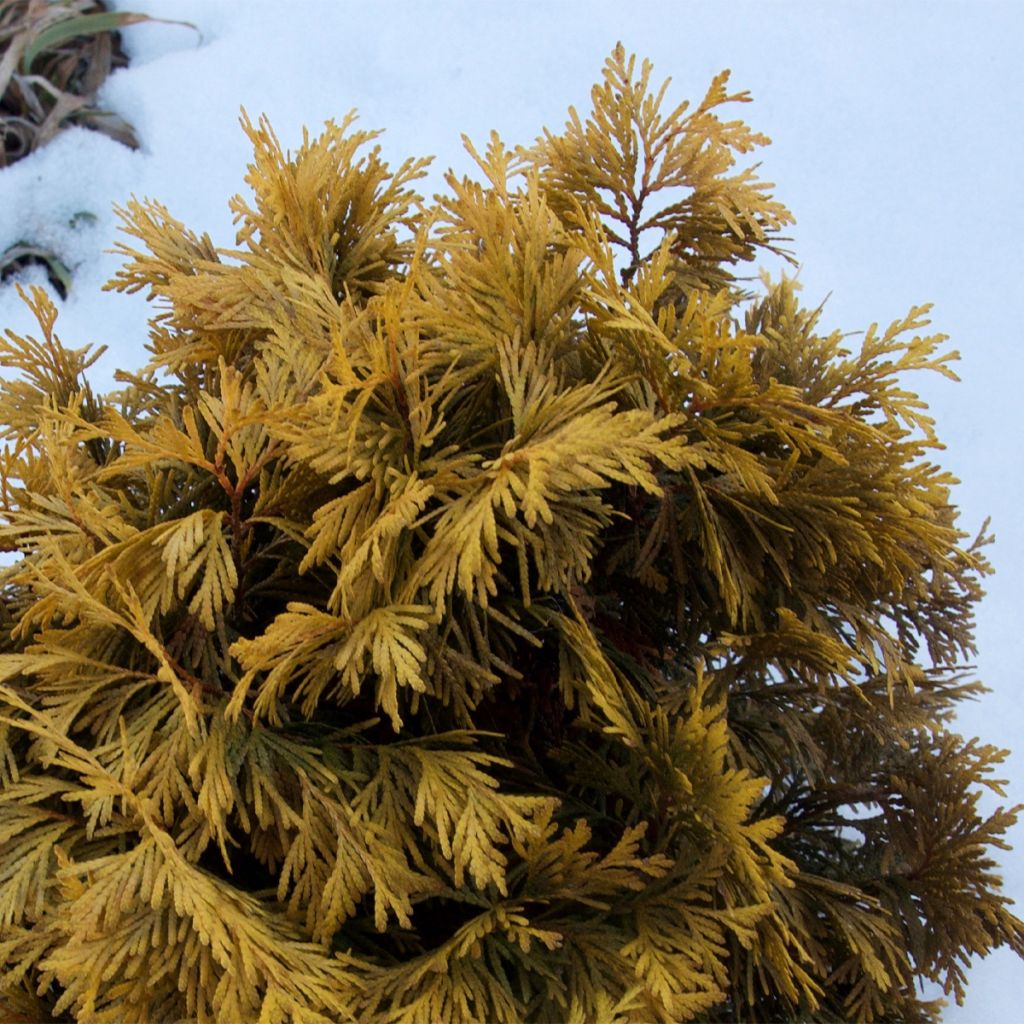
x: 898, y: 144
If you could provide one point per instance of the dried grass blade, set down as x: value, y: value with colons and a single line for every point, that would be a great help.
x: 100, y: 60
x: 110, y: 124
x: 9, y: 63
x: 67, y: 103
x: 88, y: 24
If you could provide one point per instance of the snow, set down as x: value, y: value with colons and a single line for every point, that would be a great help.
x: 897, y: 145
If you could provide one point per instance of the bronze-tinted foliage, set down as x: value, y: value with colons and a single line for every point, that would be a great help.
x: 486, y: 611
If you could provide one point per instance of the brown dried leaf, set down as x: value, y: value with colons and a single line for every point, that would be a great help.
x: 110, y: 124
x: 17, y: 135
x: 55, y: 56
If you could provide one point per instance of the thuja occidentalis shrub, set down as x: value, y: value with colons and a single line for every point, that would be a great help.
x: 488, y: 610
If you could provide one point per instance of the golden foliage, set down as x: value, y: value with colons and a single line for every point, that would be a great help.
x: 487, y: 611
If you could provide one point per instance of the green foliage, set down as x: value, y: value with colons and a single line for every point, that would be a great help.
x: 487, y: 611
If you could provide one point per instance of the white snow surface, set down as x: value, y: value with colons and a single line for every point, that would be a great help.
x: 898, y: 145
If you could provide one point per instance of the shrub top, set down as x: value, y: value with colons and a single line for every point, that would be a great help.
x: 487, y: 610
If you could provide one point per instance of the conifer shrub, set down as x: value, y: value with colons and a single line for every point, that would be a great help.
x: 487, y: 610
